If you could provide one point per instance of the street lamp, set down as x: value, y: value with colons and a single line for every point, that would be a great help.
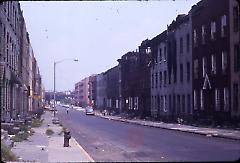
x: 56, y: 62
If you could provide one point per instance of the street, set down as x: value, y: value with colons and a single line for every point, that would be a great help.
x: 106, y: 140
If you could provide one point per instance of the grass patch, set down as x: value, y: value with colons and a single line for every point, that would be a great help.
x: 49, y: 132
x: 37, y: 122
x: 20, y: 136
x: 25, y: 132
x: 7, y: 154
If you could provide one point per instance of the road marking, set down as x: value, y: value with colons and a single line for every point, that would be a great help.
x: 89, y: 157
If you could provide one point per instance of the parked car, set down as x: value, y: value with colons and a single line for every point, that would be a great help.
x: 55, y: 120
x: 89, y: 111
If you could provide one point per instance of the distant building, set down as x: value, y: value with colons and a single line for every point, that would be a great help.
x: 82, y: 92
x: 112, y: 89
x: 101, y: 86
x: 92, y: 90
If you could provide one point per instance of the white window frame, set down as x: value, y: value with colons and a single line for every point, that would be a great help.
x: 195, y: 100
x: 201, y: 100
x: 213, y: 61
x: 195, y: 37
x: 165, y: 103
x: 223, y: 24
x: 224, y: 61
x: 213, y: 30
x: 226, y: 99
x: 204, y: 66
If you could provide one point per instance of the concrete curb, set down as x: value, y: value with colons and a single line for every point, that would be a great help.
x: 194, y: 132
x: 81, y: 148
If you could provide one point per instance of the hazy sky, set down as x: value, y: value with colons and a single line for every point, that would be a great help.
x: 97, y: 33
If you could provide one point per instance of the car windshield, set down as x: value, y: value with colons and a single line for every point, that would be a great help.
x: 90, y: 109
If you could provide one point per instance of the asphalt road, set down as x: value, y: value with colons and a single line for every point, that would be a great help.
x: 107, y: 140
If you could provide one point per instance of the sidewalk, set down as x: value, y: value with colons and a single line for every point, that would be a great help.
x: 211, y: 132
x: 43, y: 148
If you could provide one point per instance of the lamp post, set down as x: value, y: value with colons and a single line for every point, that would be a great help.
x: 54, y: 81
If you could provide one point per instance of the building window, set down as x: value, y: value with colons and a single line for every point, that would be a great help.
x: 135, y: 103
x: 165, y: 55
x: 152, y: 80
x: 236, y: 58
x: 181, y: 73
x: 165, y: 78
x: 183, y: 103
x: 160, y: 80
x: 148, y: 50
x: 203, y: 35
x: 201, y: 100
x: 160, y: 55
x: 165, y: 103
x: 223, y: 25
x: 174, y: 103
x: 188, y: 103
x: 188, y: 42
x: 195, y: 69
x: 158, y: 103
x: 224, y: 62
x: 236, y: 19
x: 165, y: 51
x: 213, y: 64
x: 178, y: 104
x: 195, y: 38
x: 181, y: 45
x: 235, y: 96
x: 156, y: 80
x: 217, y: 99
x: 170, y: 103
x: 213, y: 30
x: 226, y: 99
x: 204, y: 66
x: 195, y: 100
x: 161, y: 102
x: 188, y: 71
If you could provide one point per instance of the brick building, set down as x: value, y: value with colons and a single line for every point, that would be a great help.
x: 112, y: 89
x: 211, y: 60
x: 135, y: 81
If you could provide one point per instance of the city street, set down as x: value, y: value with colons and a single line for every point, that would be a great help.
x: 107, y: 140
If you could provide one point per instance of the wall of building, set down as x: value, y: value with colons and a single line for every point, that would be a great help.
x: 235, y: 57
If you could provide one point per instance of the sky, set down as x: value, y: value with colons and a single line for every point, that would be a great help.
x: 96, y: 33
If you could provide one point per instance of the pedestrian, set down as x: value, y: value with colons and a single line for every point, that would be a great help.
x: 67, y: 110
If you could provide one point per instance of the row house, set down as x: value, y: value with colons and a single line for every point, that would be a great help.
x: 92, y: 90
x: 195, y: 64
x: 112, y: 89
x: 101, y: 86
x: 211, y: 60
x: 135, y: 81
x: 15, y: 67
x: 179, y: 67
x: 234, y: 27
x: 158, y: 73
x: 82, y: 92
x: 171, y: 62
